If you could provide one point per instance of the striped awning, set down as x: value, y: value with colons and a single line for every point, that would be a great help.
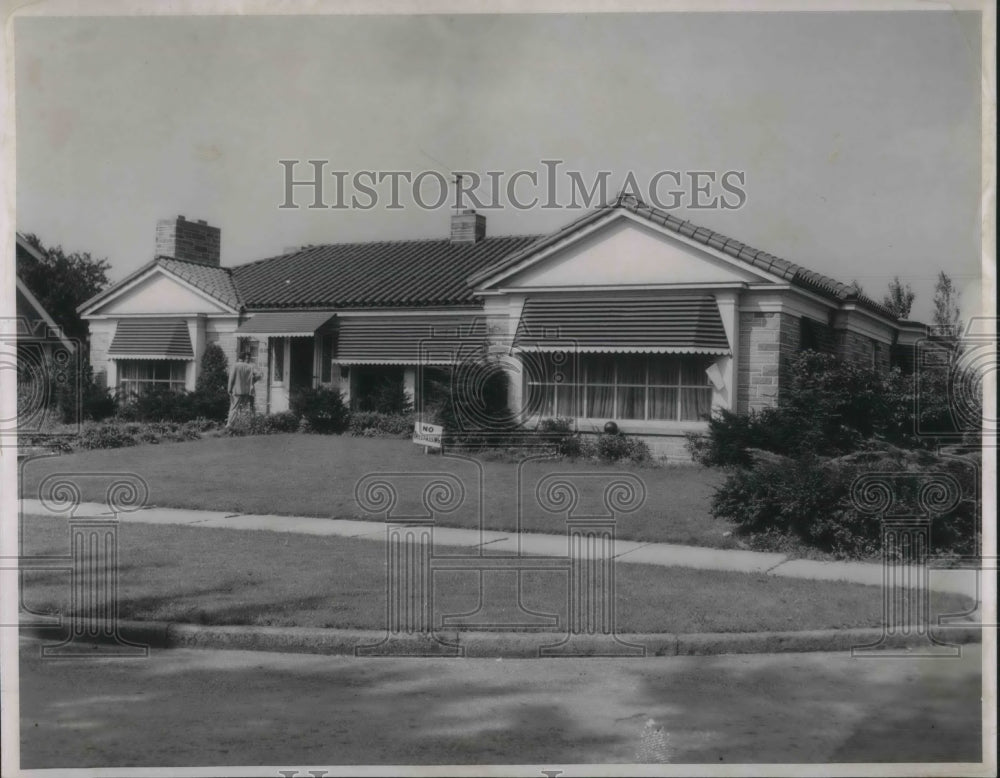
x: 285, y: 324
x: 663, y: 325
x: 409, y: 339
x: 152, y: 339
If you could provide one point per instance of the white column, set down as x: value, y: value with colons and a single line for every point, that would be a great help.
x: 196, y: 328
x: 410, y: 383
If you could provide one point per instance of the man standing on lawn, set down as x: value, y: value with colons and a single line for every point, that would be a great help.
x: 241, y: 388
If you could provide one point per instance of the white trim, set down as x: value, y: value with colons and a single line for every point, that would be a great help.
x: 853, y: 307
x: 601, y: 223
x: 116, y: 293
x: 192, y: 314
x: 620, y: 288
x: 850, y: 322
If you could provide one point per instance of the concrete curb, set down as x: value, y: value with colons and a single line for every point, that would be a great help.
x: 505, y: 645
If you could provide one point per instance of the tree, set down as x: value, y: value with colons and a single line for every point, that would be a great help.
x: 899, y: 298
x: 62, y: 281
x: 946, y: 310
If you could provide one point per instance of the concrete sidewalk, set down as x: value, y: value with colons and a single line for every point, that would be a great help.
x: 965, y: 582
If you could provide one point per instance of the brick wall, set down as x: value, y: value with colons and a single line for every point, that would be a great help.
x: 767, y: 340
x: 194, y: 241
x: 863, y: 350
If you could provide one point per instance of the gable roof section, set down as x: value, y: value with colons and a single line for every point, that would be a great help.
x: 34, y: 322
x: 216, y: 282
x: 377, y: 274
x: 789, y: 271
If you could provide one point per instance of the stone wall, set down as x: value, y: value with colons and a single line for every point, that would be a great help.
x: 767, y: 341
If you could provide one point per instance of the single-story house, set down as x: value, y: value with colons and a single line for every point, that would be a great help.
x: 626, y: 314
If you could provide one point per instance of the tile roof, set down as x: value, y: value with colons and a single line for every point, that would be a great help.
x: 789, y: 271
x: 215, y: 281
x: 377, y: 274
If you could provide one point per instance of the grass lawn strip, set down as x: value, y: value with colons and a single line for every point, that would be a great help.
x: 222, y: 576
x: 315, y: 475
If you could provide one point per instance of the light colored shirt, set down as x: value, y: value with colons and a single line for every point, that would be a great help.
x: 242, y: 379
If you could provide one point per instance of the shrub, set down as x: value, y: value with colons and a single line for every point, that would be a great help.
x: 390, y: 398
x: 211, y: 390
x: 809, y: 499
x: 80, y: 397
x: 617, y: 447
x: 323, y: 408
x: 470, y: 402
x: 564, y: 439
x: 105, y: 436
x: 285, y: 421
x: 159, y: 403
x: 376, y: 424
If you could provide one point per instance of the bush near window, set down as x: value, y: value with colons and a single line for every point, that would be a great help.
x: 470, y: 402
x: 792, y: 466
x: 618, y: 447
x: 322, y: 409
x: 373, y: 424
x: 159, y: 403
x: 212, y: 386
x: 80, y: 397
x: 390, y: 398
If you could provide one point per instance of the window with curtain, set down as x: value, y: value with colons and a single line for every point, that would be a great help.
x: 137, y: 375
x: 278, y: 359
x: 653, y: 387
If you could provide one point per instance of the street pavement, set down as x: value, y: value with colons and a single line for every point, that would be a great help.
x: 202, y: 707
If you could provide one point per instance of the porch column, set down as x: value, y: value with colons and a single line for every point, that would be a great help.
x: 410, y: 383
x: 502, y: 317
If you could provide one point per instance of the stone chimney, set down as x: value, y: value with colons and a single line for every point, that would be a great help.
x: 191, y: 241
x: 468, y: 227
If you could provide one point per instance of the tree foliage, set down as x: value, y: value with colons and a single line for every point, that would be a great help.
x: 62, y: 281
x: 899, y: 298
x: 946, y: 311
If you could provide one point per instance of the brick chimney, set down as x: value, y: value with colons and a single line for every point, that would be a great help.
x: 192, y: 241
x: 468, y: 227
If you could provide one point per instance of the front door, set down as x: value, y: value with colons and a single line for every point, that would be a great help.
x: 300, y: 365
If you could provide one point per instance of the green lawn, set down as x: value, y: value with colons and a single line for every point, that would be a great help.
x: 221, y: 576
x: 315, y: 475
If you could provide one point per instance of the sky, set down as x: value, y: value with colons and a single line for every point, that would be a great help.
x: 858, y: 133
